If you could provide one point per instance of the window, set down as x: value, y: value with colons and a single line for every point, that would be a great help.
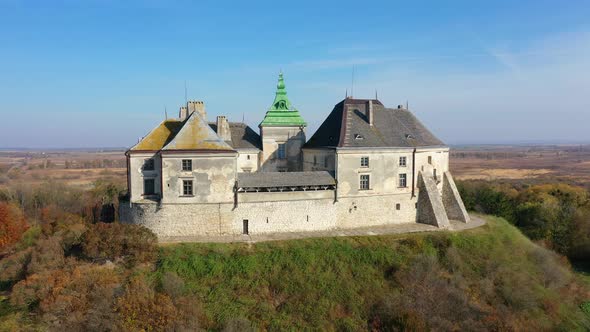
x: 326, y: 162
x: 398, y: 206
x: 364, y: 161
x: 315, y: 160
x: 149, y: 186
x: 187, y: 187
x: 245, y: 227
x: 364, y: 182
x: 187, y: 165
x: 434, y: 173
x: 148, y: 165
x: 402, y: 161
x: 403, y: 180
x: 430, y: 160
x: 248, y: 157
x: 282, y: 151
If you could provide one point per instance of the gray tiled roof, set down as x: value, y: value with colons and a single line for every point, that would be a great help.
x: 242, y: 136
x: 347, y: 126
x: 285, y: 179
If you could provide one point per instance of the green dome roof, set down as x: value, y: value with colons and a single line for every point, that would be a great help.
x: 281, y: 113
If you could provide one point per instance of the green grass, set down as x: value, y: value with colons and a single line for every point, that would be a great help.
x: 334, y: 283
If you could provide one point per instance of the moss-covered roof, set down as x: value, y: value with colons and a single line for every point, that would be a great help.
x: 159, y: 136
x: 196, y: 134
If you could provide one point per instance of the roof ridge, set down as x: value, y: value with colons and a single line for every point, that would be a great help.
x: 197, y: 134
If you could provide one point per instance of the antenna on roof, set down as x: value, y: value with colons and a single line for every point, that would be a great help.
x: 165, y: 112
x: 185, y: 98
x: 407, y: 105
x: 346, y: 97
x: 243, y: 117
x: 352, y: 87
x: 376, y: 94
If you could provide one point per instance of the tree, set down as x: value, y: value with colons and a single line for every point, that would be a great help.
x: 12, y: 224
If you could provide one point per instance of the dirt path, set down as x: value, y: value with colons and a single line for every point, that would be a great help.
x: 476, y: 221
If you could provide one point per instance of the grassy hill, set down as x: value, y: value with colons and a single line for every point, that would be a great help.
x: 487, y: 278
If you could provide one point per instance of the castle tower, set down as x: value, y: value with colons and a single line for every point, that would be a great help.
x: 283, y: 134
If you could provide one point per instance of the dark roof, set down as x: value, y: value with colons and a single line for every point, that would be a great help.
x: 285, y: 179
x: 242, y: 136
x: 348, y: 126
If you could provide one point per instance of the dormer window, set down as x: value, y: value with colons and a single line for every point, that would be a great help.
x: 409, y: 136
x: 358, y: 137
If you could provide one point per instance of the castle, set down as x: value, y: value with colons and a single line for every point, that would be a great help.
x: 366, y: 165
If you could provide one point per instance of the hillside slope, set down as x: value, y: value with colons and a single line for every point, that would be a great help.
x: 491, y: 277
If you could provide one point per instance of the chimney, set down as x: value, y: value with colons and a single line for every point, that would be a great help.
x: 223, y: 128
x: 183, y: 114
x: 197, y: 106
x: 370, y: 114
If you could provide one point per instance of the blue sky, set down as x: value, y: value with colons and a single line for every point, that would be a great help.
x: 101, y: 73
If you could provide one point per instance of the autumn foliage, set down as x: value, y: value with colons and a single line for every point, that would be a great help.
x: 12, y: 224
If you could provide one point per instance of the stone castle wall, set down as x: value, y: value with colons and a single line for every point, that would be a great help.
x: 280, y: 212
x: 271, y: 216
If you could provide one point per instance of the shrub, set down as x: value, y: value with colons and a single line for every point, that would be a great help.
x: 130, y: 243
x: 239, y: 325
x: 555, y: 273
x: 142, y: 309
x: 428, y: 300
x: 79, y: 298
x: 13, y: 268
x: 48, y: 254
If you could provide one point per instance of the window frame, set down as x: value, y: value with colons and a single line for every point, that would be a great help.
x: 365, y: 162
x: 282, y: 151
x: 403, y: 176
x: 145, y: 192
x: 404, y: 163
x: 190, y: 165
x: 365, y: 182
x: 186, y: 193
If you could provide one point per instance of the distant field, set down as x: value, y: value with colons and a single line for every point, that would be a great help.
x: 567, y: 163
x: 78, y: 168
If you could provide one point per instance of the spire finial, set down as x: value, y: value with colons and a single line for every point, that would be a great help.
x: 281, y: 101
x: 281, y: 84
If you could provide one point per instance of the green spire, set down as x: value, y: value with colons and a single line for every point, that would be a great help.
x: 281, y: 113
